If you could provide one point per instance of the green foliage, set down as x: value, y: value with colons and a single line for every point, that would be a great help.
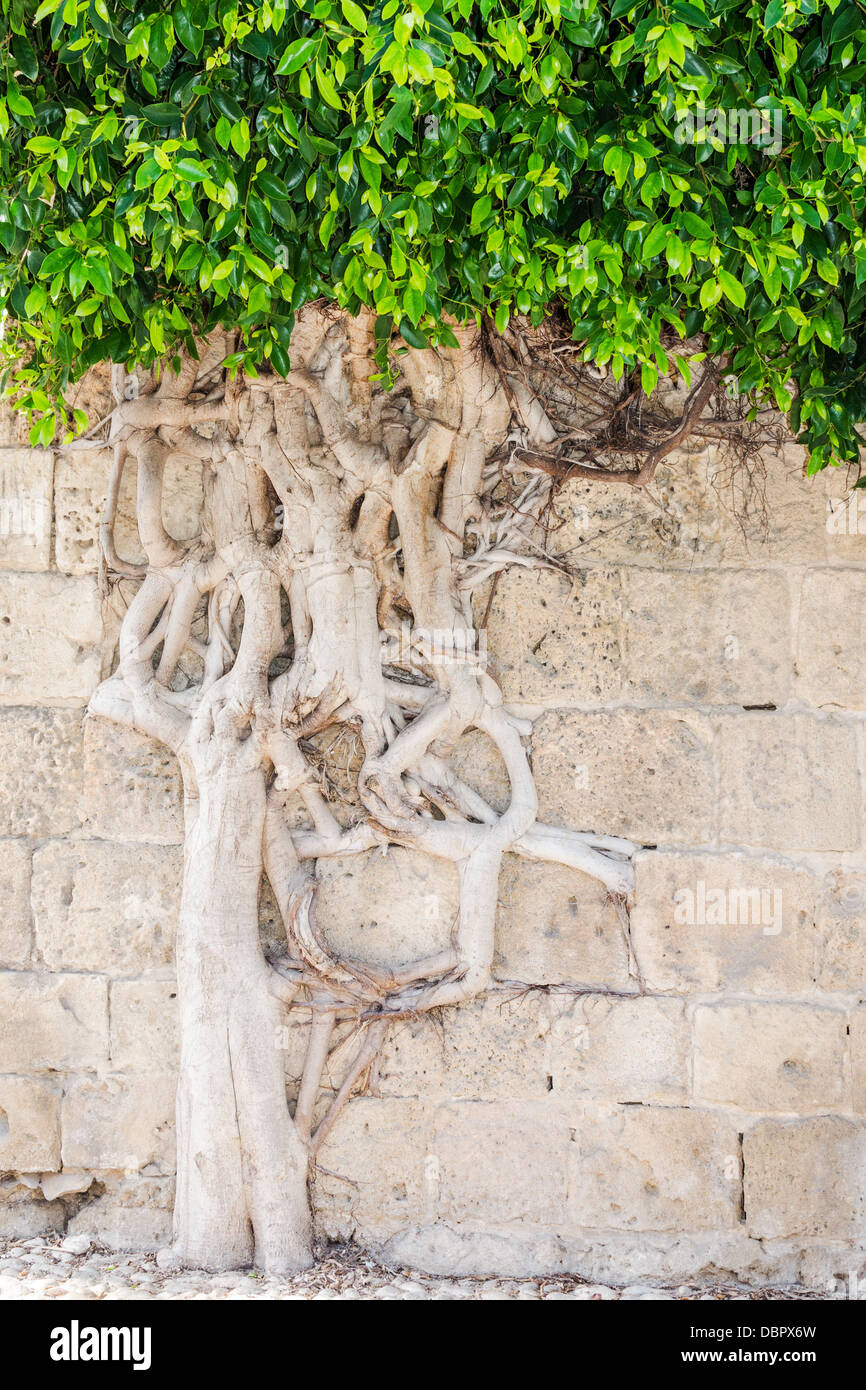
x: 173, y: 164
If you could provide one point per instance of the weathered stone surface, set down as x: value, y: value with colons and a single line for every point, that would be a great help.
x: 40, y: 754
x: 25, y: 508
x: 789, y: 782
x: 29, y: 1128
x: 479, y: 763
x: 845, y: 519
x: 485, y: 1113
x: 130, y: 1215
x: 80, y: 485
x: 630, y: 1050
x: 805, y: 1178
x: 770, y: 512
x: 81, y: 482
x: 23, y: 1216
x: 555, y: 924
x: 14, y: 429
x: 768, y: 1057
x: 649, y: 1169
x: 831, y: 658
x: 131, y: 788
x: 707, y: 637
x: 16, y: 933
x: 491, y: 1047
x: 713, y: 922
x: 554, y: 641
x: 841, y: 926
x: 857, y: 1042
x: 386, y: 909
x: 523, y: 1178
x: 645, y: 774
x: 379, y: 1149
x: 50, y: 631
x: 100, y: 906
x: 118, y: 1123
x: 52, y: 1022
x: 144, y: 1025
x: 679, y: 524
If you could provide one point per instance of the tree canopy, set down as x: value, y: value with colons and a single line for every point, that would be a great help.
x: 660, y: 169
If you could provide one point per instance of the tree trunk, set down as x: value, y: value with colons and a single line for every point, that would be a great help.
x: 387, y: 515
x: 242, y: 1168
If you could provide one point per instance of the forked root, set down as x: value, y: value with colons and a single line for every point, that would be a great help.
x: 262, y: 634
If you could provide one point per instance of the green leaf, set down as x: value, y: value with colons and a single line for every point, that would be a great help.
x: 296, y: 56
x: 733, y: 290
x: 163, y: 113
x: 354, y: 15
x: 655, y: 240
x: 190, y: 34
x: 192, y: 171
x: 99, y: 276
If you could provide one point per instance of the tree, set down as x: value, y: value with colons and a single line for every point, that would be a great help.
x: 368, y: 267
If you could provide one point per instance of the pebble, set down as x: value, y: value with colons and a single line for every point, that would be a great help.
x: 167, y: 1259
x: 78, y: 1268
x: 76, y: 1245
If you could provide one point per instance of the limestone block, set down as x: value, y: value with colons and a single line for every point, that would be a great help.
x: 789, y: 782
x: 477, y: 761
x: 81, y: 482
x: 770, y: 1056
x: 680, y: 524
x: 101, y: 906
x: 131, y: 1215
x: 708, y: 922
x: 15, y: 922
x: 23, y: 1216
x: 25, y: 508
x: 14, y: 429
x: 50, y: 631
x: 29, y: 1128
x: 710, y: 637
x: 52, y: 1022
x: 645, y: 774
x: 491, y: 1047
x: 805, y: 1178
x: 386, y: 909
x: 144, y: 1025
x: 831, y: 668
x: 841, y: 925
x: 555, y: 924
x: 378, y: 1148
x: 628, y: 1050
x: 119, y: 1123
x: 80, y: 485
x: 771, y: 512
x: 555, y: 641
x: 857, y: 1042
x: 502, y: 1162
x: 653, y: 1169
x: 131, y: 787
x: 845, y: 516
x: 40, y: 754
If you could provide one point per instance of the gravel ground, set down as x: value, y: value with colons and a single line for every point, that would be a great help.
x: 79, y: 1269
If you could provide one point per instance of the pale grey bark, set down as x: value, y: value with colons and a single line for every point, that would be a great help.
x: 380, y: 493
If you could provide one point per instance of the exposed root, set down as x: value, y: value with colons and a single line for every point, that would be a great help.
x: 338, y: 664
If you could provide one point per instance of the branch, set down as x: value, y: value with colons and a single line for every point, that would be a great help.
x: 563, y: 470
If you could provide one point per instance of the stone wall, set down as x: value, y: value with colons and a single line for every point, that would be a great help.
x: 677, y: 1095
